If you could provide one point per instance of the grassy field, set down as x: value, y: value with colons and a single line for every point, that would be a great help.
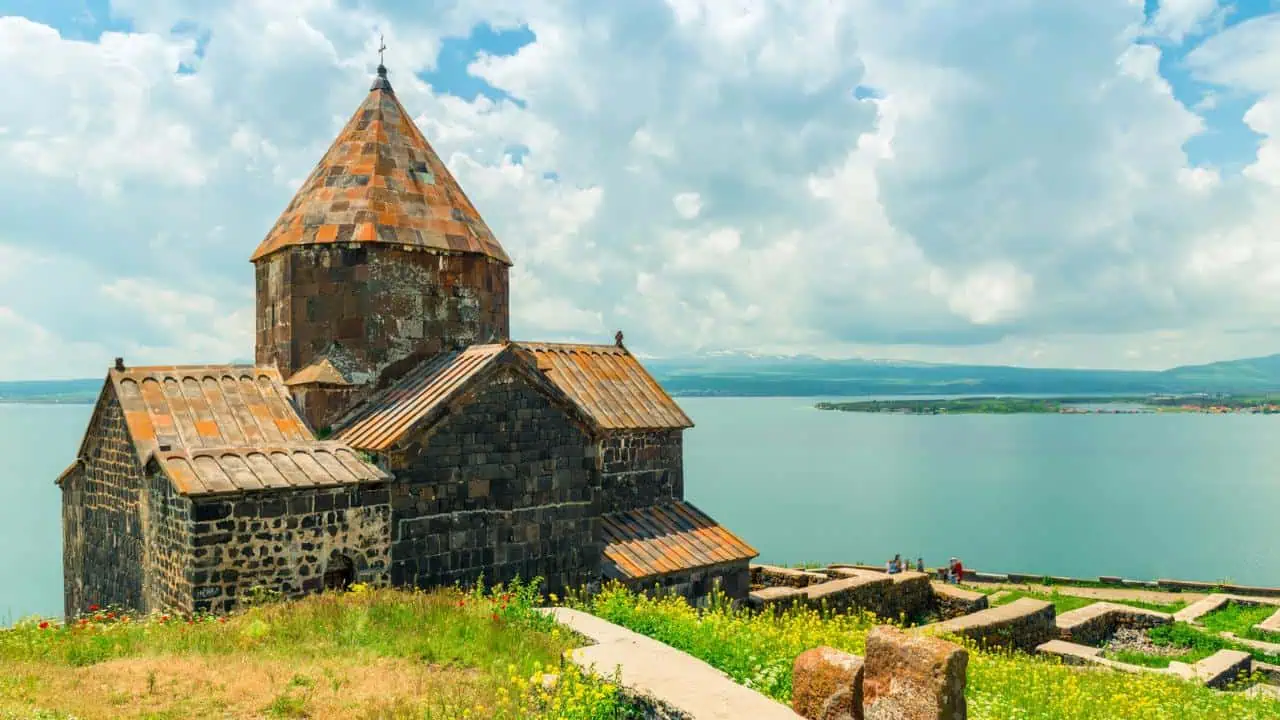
x: 758, y: 651
x: 1065, y: 603
x: 365, y: 654
x: 1240, y: 619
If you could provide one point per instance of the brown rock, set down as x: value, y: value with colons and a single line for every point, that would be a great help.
x: 913, y: 677
x: 827, y: 685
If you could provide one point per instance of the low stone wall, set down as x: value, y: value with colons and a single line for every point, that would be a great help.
x: 907, y: 594
x: 775, y: 576
x: 849, y: 593
x: 1165, y: 584
x: 774, y: 599
x: 1095, y: 624
x: 1023, y: 624
x: 950, y: 601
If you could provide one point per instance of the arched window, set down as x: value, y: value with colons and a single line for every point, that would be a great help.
x: 340, y: 573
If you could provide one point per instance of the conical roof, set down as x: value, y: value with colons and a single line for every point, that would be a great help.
x: 381, y: 182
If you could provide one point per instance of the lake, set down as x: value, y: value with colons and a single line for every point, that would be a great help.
x: 1180, y: 495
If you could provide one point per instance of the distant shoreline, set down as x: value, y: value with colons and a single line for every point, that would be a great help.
x: 1085, y: 405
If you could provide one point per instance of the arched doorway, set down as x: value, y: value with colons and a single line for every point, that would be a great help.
x: 340, y: 573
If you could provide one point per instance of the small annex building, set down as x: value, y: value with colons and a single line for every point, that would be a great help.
x: 389, y: 430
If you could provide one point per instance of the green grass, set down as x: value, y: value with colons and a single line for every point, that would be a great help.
x: 369, y: 653
x: 1194, y: 644
x: 1065, y: 603
x: 1240, y: 619
x: 758, y: 650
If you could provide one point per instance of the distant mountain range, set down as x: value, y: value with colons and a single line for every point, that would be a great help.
x: 747, y: 375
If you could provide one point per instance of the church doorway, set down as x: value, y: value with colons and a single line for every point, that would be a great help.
x: 340, y: 573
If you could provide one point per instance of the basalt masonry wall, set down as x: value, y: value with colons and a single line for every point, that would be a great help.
x: 286, y: 540
x: 102, y: 528
x: 166, y: 523
x: 380, y: 302
x: 733, y: 579
x: 640, y: 469
x: 505, y: 485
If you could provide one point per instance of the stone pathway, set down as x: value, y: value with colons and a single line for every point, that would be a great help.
x: 1271, y: 624
x: 655, y: 670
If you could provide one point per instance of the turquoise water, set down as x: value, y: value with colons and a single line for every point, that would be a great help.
x: 1145, y: 496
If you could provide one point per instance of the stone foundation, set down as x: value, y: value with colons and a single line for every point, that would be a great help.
x: 774, y: 576
x: 1095, y: 624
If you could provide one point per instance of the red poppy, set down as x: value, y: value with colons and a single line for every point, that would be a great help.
x: 495, y: 617
x: 222, y: 619
x: 44, y: 625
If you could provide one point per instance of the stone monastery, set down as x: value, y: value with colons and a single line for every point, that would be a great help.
x: 389, y: 431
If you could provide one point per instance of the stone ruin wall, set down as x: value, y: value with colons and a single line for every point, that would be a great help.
x: 383, y: 303
x: 505, y: 486
x: 695, y: 585
x: 642, y: 468
x: 284, y: 541
x: 101, y: 525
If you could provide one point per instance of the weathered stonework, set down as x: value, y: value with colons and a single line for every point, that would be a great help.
x: 384, y: 304
x: 732, y: 579
x: 285, y: 541
x: 641, y: 468
x: 166, y: 521
x: 320, y: 404
x: 504, y: 485
x: 102, y: 529
x: 775, y: 576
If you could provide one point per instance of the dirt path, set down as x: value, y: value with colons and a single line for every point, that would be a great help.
x: 1151, y: 596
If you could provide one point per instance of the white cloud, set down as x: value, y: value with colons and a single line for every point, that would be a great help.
x: 687, y: 204
x: 1015, y: 189
x: 1175, y: 19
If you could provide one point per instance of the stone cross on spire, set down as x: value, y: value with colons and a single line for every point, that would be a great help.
x: 382, y: 47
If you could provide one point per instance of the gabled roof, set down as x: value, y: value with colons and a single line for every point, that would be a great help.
x: 391, y: 414
x: 320, y: 372
x: 232, y: 470
x: 381, y: 182
x: 667, y: 538
x: 610, y: 385
x: 207, y: 406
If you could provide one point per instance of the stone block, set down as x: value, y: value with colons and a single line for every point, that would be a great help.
x: 913, y: 677
x: 827, y: 685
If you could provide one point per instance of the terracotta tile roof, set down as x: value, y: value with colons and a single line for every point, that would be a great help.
x: 388, y: 416
x: 381, y: 182
x: 207, y: 406
x: 667, y: 538
x: 610, y: 385
x: 209, y: 471
x: 321, y: 372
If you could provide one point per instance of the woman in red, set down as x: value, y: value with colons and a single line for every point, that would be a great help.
x: 958, y: 570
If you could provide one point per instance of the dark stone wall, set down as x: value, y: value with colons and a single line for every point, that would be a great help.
x: 166, y: 524
x: 284, y: 541
x: 505, y: 486
x: 322, y: 405
x: 733, y: 579
x: 639, y: 469
x: 382, y: 303
x: 102, y: 528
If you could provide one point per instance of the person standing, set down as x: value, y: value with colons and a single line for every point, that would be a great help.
x: 919, y: 564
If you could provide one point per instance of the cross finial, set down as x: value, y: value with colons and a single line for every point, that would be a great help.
x: 382, y: 48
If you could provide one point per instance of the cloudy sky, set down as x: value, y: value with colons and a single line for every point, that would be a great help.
x: 1088, y: 184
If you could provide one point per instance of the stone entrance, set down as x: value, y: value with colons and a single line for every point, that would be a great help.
x: 340, y: 573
